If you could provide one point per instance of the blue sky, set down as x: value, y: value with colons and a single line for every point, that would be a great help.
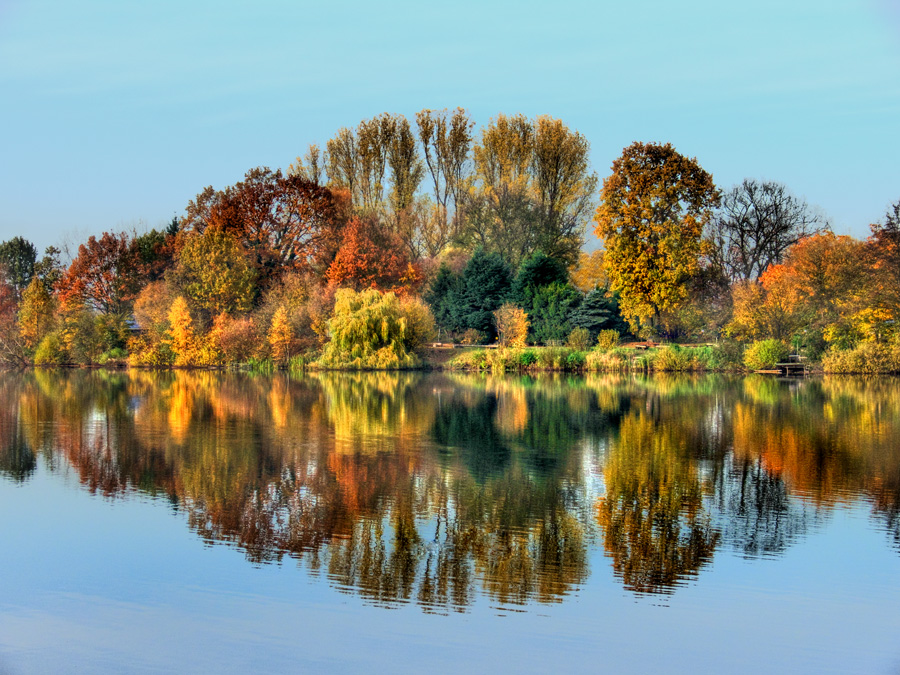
x: 115, y: 114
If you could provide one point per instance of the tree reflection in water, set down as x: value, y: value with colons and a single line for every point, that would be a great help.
x: 435, y: 489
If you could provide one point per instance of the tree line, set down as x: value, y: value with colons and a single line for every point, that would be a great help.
x: 457, y: 224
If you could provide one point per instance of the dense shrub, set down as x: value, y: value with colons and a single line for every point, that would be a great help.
x: 576, y: 360
x: 527, y: 358
x: 673, y: 358
x: 608, y: 360
x: 50, y: 351
x: 580, y: 339
x: 867, y: 358
x: 607, y: 340
x: 764, y: 354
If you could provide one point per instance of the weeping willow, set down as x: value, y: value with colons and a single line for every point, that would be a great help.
x: 368, y: 331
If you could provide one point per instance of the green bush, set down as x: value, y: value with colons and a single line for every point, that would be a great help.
x: 580, y: 339
x: 553, y: 358
x: 764, y: 354
x: 50, y: 351
x: 527, y: 358
x: 475, y: 359
x: 673, y: 358
x: 114, y: 354
x: 607, y: 340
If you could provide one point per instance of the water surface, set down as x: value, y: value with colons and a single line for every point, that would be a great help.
x: 195, y: 521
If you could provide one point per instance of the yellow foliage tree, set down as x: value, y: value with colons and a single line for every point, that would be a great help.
x: 215, y: 272
x: 36, y: 317
x: 281, y: 335
x: 512, y: 325
x: 651, y: 218
x: 190, y: 348
x: 589, y: 273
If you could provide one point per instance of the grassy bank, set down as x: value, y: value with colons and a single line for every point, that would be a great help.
x: 668, y: 358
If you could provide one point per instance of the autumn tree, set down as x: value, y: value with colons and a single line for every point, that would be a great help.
x: 755, y: 225
x: 512, y: 325
x: 106, y: 275
x: 406, y: 167
x: 588, y: 273
x: 12, y: 345
x: 883, y: 252
x: 283, y: 222
x: 342, y: 155
x: 829, y: 272
x: 446, y: 138
x: 768, y: 307
x: 152, y: 346
x: 564, y: 187
x: 36, y: 314
x: 214, y: 271
x: 653, y: 210
x: 281, y: 336
x: 821, y: 287
x: 534, y: 188
x: 368, y: 330
x: 156, y: 251
x: 310, y: 167
x: 189, y: 346
x: 370, y: 257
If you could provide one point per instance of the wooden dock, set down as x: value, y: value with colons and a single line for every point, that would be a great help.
x: 792, y: 369
x: 795, y: 367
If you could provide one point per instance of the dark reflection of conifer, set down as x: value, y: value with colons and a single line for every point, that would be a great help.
x: 17, y: 460
x: 468, y: 427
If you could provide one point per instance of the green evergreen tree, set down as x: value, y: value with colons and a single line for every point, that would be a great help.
x: 551, y: 311
x: 17, y: 258
x: 440, y: 297
x: 484, y: 286
x: 536, y: 271
x: 597, y: 312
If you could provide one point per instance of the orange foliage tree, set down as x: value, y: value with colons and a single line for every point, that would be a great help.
x: 820, y: 286
x: 371, y: 257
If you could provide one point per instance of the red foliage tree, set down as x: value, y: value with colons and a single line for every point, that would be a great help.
x: 371, y: 257
x: 284, y: 221
x: 107, y: 274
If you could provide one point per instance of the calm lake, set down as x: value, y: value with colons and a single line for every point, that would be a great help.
x: 206, y: 522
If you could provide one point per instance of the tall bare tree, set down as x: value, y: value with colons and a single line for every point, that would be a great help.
x: 756, y: 223
x: 533, y: 190
x: 311, y: 167
x: 446, y: 139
